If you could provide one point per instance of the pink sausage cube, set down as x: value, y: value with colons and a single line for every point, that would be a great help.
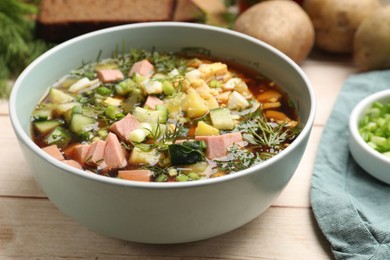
x: 114, y: 155
x: 124, y: 126
x: 152, y: 101
x: 217, y: 145
x: 135, y: 175
x: 143, y: 67
x: 54, y: 152
x: 110, y: 75
x: 95, y: 154
x: 77, y: 152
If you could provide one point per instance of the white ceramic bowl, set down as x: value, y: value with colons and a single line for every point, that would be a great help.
x: 161, y: 212
x: 370, y: 160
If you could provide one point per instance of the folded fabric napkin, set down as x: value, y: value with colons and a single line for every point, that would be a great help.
x: 351, y: 207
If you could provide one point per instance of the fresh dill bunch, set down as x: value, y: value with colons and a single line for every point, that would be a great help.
x: 18, y: 45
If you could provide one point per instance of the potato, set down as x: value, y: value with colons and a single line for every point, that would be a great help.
x: 372, y: 41
x: 336, y: 21
x: 280, y: 23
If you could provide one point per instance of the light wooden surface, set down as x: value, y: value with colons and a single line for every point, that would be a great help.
x: 31, y: 227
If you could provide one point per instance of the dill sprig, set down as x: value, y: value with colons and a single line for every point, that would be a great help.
x: 238, y: 159
x: 257, y: 130
x: 18, y: 45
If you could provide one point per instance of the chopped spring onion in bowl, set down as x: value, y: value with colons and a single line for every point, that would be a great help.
x: 374, y: 127
x: 369, y: 140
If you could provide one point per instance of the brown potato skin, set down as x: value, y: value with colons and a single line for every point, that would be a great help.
x: 281, y: 23
x: 336, y: 21
x: 372, y: 42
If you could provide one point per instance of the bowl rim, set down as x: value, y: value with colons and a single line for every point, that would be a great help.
x: 357, y: 113
x: 26, y: 139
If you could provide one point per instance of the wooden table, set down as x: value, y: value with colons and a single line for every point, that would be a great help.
x: 31, y: 227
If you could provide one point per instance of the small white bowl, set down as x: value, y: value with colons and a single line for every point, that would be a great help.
x: 369, y: 159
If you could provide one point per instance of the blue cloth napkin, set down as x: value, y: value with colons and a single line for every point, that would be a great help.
x: 351, y: 207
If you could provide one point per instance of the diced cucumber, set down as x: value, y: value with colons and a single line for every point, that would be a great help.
x: 158, y: 129
x: 125, y: 87
x: 45, y: 127
x: 111, y: 111
x: 138, y: 135
x: 80, y: 123
x: 138, y: 78
x: 76, y: 109
x: 59, y: 97
x: 62, y: 108
x: 163, y: 113
x: 167, y: 87
x: 150, y: 116
x: 103, y: 133
x: 136, y: 98
x: 59, y: 136
x: 104, y: 91
x: 42, y: 114
x: 222, y: 119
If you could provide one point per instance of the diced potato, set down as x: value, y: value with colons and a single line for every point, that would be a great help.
x: 193, y: 75
x: 205, y: 129
x: 223, y: 97
x: 202, y: 88
x: 173, y: 104
x: 152, y: 86
x: 237, y: 101
x: 212, y: 102
x: 211, y: 70
x: 236, y: 84
x: 194, y: 105
x: 113, y: 101
x: 140, y: 157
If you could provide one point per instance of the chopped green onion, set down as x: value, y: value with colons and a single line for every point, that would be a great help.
x: 374, y: 127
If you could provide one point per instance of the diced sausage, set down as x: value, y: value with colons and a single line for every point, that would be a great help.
x: 152, y: 101
x: 135, y: 175
x: 77, y: 152
x: 95, y: 154
x: 124, y: 126
x: 110, y: 75
x: 143, y: 67
x: 54, y: 151
x: 73, y: 164
x: 231, y: 138
x: 217, y: 145
x: 114, y: 156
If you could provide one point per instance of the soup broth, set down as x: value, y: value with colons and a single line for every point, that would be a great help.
x: 163, y: 117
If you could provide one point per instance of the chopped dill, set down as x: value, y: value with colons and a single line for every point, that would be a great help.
x: 258, y: 131
x: 238, y: 159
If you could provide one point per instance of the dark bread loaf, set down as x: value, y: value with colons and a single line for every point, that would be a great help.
x: 60, y: 20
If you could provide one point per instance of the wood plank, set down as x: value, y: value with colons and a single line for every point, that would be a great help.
x: 34, y: 228
x: 327, y: 75
x: 16, y: 179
